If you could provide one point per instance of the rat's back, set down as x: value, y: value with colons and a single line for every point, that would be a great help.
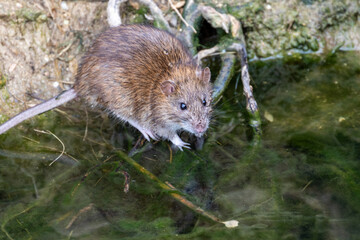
x: 126, y: 64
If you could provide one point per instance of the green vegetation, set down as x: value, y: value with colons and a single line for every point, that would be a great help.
x: 301, y: 183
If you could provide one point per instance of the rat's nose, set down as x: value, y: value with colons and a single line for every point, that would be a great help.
x: 200, y: 127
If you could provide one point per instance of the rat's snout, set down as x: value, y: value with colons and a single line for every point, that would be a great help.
x: 200, y: 127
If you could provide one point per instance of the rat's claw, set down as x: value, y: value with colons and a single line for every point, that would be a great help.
x: 176, y: 140
x: 146, y: 136
x: 153, y: 136
x: 145, y: 132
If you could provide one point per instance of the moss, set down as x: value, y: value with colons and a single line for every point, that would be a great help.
x: 30, y: 15
x: 273, y: 27
x: 3, y: 80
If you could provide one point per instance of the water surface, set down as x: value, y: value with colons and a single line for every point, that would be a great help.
x: 303, y: 182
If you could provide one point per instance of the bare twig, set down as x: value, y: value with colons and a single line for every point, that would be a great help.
x: 63, y: 146
x: 33, y: 180
x: 170, y: 153
x: 174, y: 192
x: 251, y: 104
x: 206, y: 52
x: 65, y: 49
x: 181, y: 17
x: 224, y: 77
x: 126, y: 181
x: 83, y: 210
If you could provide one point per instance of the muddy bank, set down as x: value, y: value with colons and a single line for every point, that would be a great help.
x: 42, y: 41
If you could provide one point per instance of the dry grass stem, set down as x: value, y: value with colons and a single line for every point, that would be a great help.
x: 84, y: 210
x: 50, y: 133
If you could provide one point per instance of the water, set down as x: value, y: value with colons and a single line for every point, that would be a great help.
x: 303, y: 182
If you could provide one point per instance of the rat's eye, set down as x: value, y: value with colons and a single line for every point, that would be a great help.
x: 183, y: 106
x: 204, y: 102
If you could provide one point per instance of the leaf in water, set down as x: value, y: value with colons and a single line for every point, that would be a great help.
x: 268, y: 116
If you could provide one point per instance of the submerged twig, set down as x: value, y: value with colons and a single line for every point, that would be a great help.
x: 251, y: 104
x: 174, y: 192
x: 126, y: 181
x: 63, y: 145
x: 65, y: 159
x: 81, y: 211
x: 33, y: 181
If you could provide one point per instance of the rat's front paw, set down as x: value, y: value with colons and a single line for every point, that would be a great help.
x: 176, y: 140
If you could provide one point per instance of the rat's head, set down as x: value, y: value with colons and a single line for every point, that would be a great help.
x: 188, y: 93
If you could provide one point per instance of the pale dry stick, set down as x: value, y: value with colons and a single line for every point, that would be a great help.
x: 85, y: 209
x: 31, y: 140
x: 65, y: 114
x: 214, y: 51
x: 180, y: 16
x: 50, y: 133
x: 174, y: 192
x: 170, y: 153
x: 206, y: 52
x: 65, y: 49
x: 308, y: 184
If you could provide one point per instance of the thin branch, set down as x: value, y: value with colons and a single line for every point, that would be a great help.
x: 65, y: 49
x: 251, y: 104
x: 224, y: 77
x: 181, y: 17
x: 63, y: 146
x: 174, y: 192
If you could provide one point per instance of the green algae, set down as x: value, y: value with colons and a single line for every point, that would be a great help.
x: 302, y: 182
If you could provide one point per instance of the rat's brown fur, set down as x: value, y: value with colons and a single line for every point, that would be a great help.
x: 143, y: 76
x: 125, y: 72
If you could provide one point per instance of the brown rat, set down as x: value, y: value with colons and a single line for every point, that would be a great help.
x: 143, y: 76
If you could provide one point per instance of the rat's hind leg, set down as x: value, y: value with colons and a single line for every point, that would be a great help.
x: 146, y: 132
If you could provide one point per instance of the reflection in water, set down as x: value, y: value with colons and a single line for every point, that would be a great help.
x: 302, y: 183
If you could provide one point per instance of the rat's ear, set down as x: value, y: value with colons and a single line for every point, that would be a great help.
x: 203, y: 74
x: 168, y: 87
x: 206, y: 74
